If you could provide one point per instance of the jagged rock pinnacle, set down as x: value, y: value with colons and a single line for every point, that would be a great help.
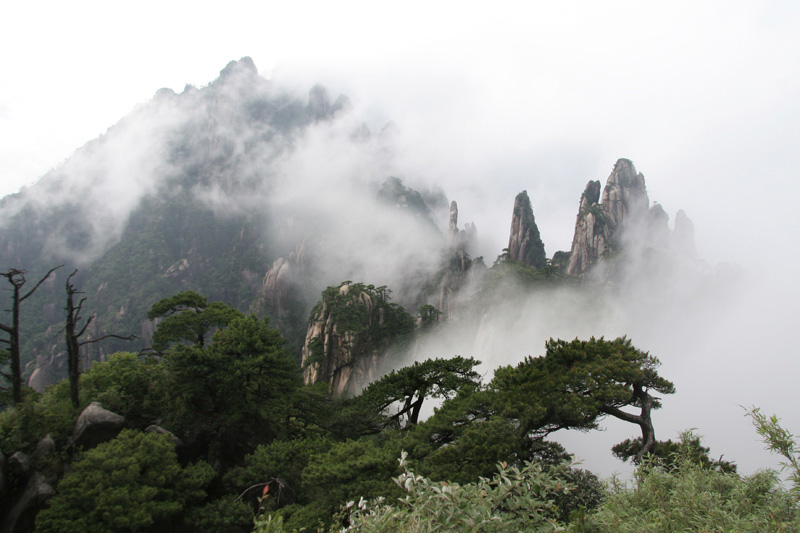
x: 683, y: 236
x: 600, y: 226
x: 452, y: 231
x: 524, y: 243
x: 625, y: 194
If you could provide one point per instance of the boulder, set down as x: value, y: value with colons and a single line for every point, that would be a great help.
x: 153, y: 428
x: 45, y: 447
x: 96, y: 425
x: 22, y: 512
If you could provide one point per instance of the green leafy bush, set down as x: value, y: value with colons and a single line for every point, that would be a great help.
x: 127, y: 385
x: 514, y: 499
x: 689, y: 496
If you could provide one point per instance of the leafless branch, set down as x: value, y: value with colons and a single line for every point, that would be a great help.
x: 22, y: 299
x: 110, y: 335
x: 83, y: 330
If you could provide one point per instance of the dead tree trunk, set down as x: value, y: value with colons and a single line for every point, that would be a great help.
x: 73, y: 335
x: 17, y: 279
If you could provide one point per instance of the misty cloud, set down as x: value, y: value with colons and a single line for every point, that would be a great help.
x: 701, y: 98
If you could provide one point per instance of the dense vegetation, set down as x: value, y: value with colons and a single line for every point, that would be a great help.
x: 242, y: 443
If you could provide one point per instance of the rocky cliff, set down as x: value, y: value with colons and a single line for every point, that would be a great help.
x: 349, y: 331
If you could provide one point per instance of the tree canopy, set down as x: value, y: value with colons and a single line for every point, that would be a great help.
x: 188, y: 317
x: 412, y: 385
x: 577, y: 383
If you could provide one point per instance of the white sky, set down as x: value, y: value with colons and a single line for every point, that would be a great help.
x: 702, y: 96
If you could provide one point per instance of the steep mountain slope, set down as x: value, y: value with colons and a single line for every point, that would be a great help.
x: 208, y: 190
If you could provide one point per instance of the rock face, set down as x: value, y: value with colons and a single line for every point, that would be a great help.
x: 625, y: 194
x: 278, y: 283
x: 593, y: 231
x: 349, y: 331
x: 96, y: 425
x: 524, y: 243
x: 179, y: 272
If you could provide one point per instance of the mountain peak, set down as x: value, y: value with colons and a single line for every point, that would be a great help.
x: 244, y: 66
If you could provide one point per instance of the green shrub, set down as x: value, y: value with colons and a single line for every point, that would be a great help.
x: 513, y: 500
x: 688, y: 496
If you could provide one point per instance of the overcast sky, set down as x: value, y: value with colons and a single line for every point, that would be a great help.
x: 700, y: 95
x: 543, y: 96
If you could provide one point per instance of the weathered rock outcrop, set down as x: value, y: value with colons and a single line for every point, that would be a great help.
x: 524, y: 243
x: 179, y: 272
x: 657, y: 234
x: 350, y: 329
x: 96, y: 425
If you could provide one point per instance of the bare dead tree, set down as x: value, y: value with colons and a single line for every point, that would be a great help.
x: 73, y: 335
x: 17, y: 279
